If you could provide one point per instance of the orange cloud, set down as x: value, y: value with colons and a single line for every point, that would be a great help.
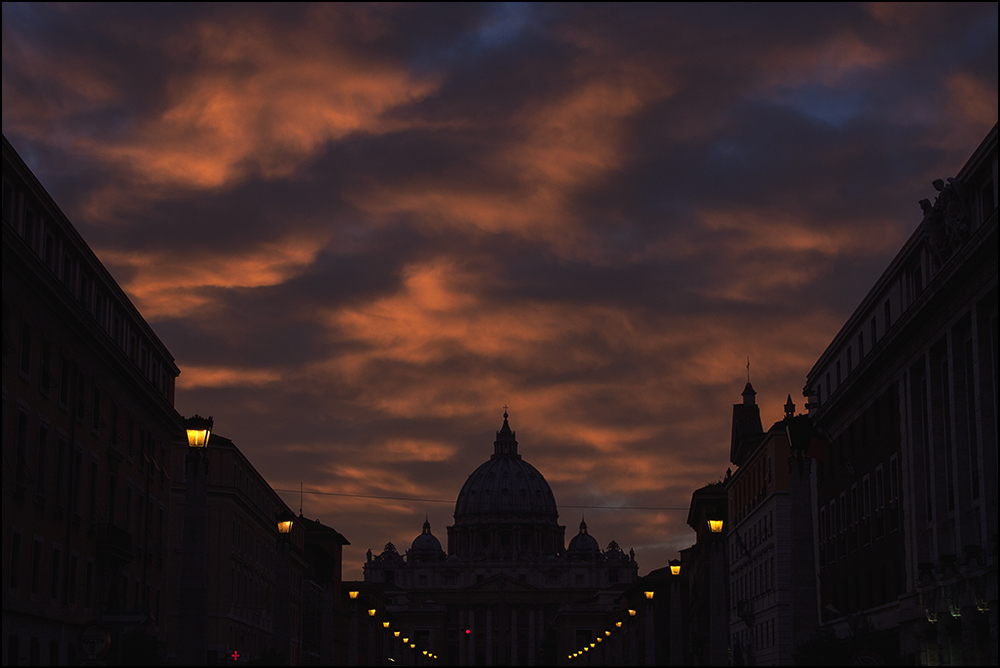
x: 973, y: 101
x: 213, y: 376
x: 260, y: 102
x: 166, y: 284
x: 828, y: 62
x: 560, y: 147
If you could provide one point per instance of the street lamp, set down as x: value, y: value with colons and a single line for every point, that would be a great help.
x: 715, y: 526
x: 198, y: 430
x: 675, y: 566
x: 285, y: 521
x: 649, y: 595
x: 194, y: 577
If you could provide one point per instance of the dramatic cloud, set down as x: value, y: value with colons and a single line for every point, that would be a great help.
x: 364, y: 229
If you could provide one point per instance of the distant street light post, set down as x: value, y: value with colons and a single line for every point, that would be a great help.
x: 193, y: 648
x: 283, y: 589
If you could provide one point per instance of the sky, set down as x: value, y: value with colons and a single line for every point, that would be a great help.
x: 363, y: 230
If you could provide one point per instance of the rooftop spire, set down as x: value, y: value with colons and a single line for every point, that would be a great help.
x: 505, y: 445
x: 749, y: 395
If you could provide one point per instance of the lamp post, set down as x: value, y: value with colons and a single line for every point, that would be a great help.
x: 676, y: 635
x: 283, y: 587
x: 193, y: 649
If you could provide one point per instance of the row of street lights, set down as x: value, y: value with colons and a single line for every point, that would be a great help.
x: 406, y: 641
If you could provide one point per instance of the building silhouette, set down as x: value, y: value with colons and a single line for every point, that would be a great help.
x: 906, y: 394
x: 88, y: 422
x: 244, y: 561
x: 508, y: 591
x: 772, y: 602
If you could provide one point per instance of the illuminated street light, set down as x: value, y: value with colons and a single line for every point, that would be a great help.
x: 198, y: 430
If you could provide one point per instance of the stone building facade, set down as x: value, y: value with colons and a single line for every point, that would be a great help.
x: 907, y: 395
x: 88, y: 424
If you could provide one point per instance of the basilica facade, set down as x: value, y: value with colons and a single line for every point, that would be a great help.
x: 508, y: 591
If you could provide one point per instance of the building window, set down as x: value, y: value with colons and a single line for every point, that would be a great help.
x: 14, y: 579
x: 71, y: 583
x: 64, y: 378
x: 25, y: 358
x: 61, y: 448
x: 95, y: 411
x: 43, y: 458
x: 36, y: 567
x: 21, y: 463
x: 46, y: 373
x: 88, y: 584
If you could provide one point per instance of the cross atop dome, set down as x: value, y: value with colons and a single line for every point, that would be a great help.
x: 505, y: 445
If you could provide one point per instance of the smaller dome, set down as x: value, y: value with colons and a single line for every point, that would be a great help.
x: 583, y: 543
x: 426, y: 542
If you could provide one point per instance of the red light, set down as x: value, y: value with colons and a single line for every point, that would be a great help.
x: 235, y: 655
x: 468, y: 631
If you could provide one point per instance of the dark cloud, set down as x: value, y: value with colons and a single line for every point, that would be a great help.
x: 363, y: 229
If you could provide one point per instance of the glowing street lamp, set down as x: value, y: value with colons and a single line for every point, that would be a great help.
x: 385, y: 625
x: 352, y: 594
x: 715, y: 526
x: 194, y: 576
x: 198, y: 430
x: 649, y: 595
x: 371, y: 612
x: 675, y: 566
x: 285, y: 521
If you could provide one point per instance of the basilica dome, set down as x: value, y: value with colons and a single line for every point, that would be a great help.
x: 505, y: 485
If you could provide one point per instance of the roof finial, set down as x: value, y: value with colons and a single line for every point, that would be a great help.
x: 300, y: 498
x: 505, y: 411
x: 748, y: 368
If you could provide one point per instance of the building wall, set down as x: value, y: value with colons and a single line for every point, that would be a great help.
x: 87, y: 424
x: 243, y: 557
x: 906, y: 394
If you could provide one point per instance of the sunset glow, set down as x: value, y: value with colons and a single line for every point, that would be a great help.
x: 364, y: 229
